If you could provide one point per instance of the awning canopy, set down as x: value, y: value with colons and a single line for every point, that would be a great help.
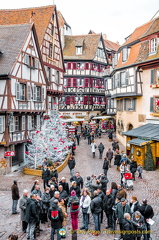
x: 148, y: 132
x: 102, y: 117
x: 73, y: 120
x: 138, y: 142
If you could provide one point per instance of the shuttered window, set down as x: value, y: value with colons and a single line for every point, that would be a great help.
x: 2, y: 128
x: 29, y: 92
x: 27, y: 60
x: 34, y: 93
x: 23, y: 123
x: 68, y: 82
x: 91, y: 100
x: 91, y: 82
x: 74, y: 66
x: 87, y: 66
x: 68, y: 65
x: 68, y: 100
x: 74, y: 82
x: 11, y: 124
x: 38, y: 121
x: 17, y: 87
x: 29, y: 123
x: 151, y: 104
x: 42, y: 94
x: 127, y: 78
x: 72, y: 99
x: 85, y: 100
x: 86, y: 82
x: 152, y: 76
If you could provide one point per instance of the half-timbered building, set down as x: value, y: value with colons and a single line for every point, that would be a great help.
x: 87, y: 63
x: 23, y: 85
x: 46, y: 24
x: 134, y: 79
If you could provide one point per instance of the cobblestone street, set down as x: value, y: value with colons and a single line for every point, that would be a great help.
x: 86, y: 165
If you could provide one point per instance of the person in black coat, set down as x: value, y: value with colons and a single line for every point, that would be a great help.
x: 128, y: 227
x: 32, y: 216
x: 64, y: 184
x: 134, y: 204
x: 108, y: 204
x: 76, y: 188
x: 117, y: 160
x: 101, y: 149
x: 102, y: 196
x: 71, y: 165
x: 63, y: 195
x: 147, y: 212
x: 140, y: 225
x: 54, y: 173
x: 56, y: 221
x: 78, y: 179
x: 103, y: 180
x: 46, y: 176
x: 133, y: 168
x: 105, y: 166
x: 15, y: 196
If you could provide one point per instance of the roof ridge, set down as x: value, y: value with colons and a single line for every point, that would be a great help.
x: 18, y: 9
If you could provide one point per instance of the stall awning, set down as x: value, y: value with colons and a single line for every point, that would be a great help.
x: 102, y: 117
x: 139, y: 142
x: 148, y: 131
x: 73, y: 120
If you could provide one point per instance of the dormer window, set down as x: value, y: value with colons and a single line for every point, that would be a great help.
x: 78, y: 50
x: 153, y: 45
x: 124, y: 54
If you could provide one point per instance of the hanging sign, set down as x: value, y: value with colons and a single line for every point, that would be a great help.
x: 9, y: 154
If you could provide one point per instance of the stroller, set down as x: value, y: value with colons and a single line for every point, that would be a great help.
x: 128, y: 181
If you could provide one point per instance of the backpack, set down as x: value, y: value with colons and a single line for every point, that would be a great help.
x: 75, y: 205
x: 55, y: 215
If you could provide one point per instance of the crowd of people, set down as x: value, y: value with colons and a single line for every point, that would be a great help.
x: 60, y: 198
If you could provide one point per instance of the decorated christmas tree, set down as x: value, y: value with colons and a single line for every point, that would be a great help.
x: 51, y: 142
x: 149, y: 162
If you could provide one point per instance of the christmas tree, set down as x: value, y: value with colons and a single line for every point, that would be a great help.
x: 149, y: 162
x: 51, y: 142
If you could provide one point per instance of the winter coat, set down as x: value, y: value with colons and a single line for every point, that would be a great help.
x: 96, y: 205
x: 104, y: 181
x: 52, y: 201
x: 78, y: 180
x: 109, y: 154
x: 141, y: 227
x: 120, y: 213
x: 123, y: 169
x: 56, y: 223
x: 93, y: 146
x: 133, y: 167
x: 121, y: 193
x: 105, y: 164
x: 71, y: 163
x: 70, y: 200
x: 86, y: 203
x: 114, y: 193
x: 117, y: 159
x: 37, y: 192
x: 102, y: 196
x: 108, y: 204
x: 32, y: 215
x: 128, y: 227
x: 77, y: 190
x: 63, y: 195
x: 46, y: 174
x: 54, y: 174
x: 95, y: 185
x: 65, y: 186
x: 101, y: 147
x: 124, y: 159
x: 88, y: 185
x: 146, y: 211
x: 52, y: 193
x: 15, y: 192
x: 22, y: 206
x: 45, y: 201
x: 63, y: 208
x: 139, y: 169
x: 135, y: 206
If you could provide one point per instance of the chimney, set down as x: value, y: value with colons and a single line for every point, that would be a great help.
x: 104, y: 36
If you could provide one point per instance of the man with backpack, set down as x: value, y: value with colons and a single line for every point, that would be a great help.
x: 56, y: 217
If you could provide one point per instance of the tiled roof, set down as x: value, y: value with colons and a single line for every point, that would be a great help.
x: 39, y: 15
x: 154, y: 28
x: 12, y: 38
x: 90, y: 45
x: 138, y: 32
x: 111, y: 45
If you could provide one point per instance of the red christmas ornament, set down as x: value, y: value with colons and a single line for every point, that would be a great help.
x: 37, y: 131
x: 55, y: 148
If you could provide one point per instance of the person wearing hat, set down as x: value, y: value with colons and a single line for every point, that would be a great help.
x: 56, y: 217
x: 15, y: 196
x: 73, y: 203
x: 64, y: 184
x: 122, y: 207
x: 22, y: 206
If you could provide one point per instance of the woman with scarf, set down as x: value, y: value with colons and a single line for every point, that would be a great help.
x: 85, y: 202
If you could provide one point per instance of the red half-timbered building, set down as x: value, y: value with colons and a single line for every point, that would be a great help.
x: 23, y: 84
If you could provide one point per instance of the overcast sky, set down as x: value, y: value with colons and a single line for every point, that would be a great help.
x: 115, y: 18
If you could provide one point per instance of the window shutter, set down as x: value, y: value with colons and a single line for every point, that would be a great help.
x: 74, y: 66
x: 99, y: 99
x: 29, y: 123
x: 68, y: 100
x: 42, y: 94
x: 99, y: 67
x: 86, y: 66
x: 2, y: 124
x: 36, y: 63
x: 92, y: 66
x: 91, y: 100
x: 68, y: 82
x: 72, y: 99
x: 152, y: 76
x: 27, y: 60
x: 34, y: 93
x: 134, y: 104
x: 38, y: 121
x: 29, y: 92
x: 11, y: 125
x: 125, y: 100
x: 74, y: 82
x: 127, y: 77
x: 118, y: 80
x: 85, y: 100
x: 68, y: 65
x: 99, y: 82
x: 17, y: 87
x: 23, y: 123
x: 151, y: 104
x: 91, y: 82
x: 86, y: 81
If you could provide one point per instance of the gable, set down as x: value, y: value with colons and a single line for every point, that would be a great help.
x: 101, y: 54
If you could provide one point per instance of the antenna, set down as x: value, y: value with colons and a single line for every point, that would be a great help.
x: 154, y: 15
